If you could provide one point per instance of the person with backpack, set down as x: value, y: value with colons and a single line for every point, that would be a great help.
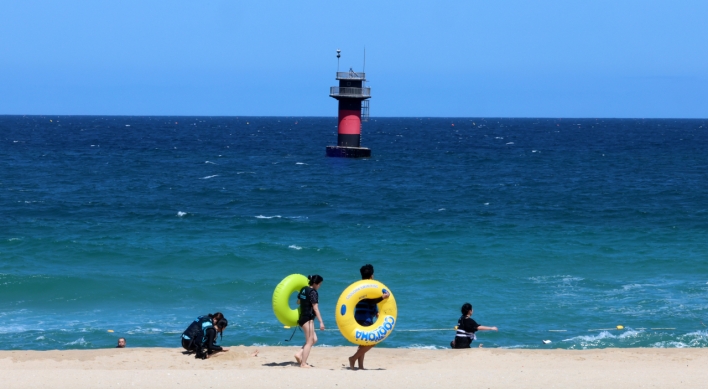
x: 200, y: 336
x: 466, y: 328
x: 308, y: 298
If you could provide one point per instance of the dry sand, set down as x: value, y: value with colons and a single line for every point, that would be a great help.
x: 390, y: 368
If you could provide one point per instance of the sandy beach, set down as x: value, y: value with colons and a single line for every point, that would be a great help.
x: 274, y: 367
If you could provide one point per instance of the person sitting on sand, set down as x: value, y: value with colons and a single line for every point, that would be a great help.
x: 201, y: 334
x: 121, y: 343
x: 365, y: 313
x: 308, y: 298
x: 466, y: 328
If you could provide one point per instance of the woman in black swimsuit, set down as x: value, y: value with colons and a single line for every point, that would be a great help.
x: 309, y: 310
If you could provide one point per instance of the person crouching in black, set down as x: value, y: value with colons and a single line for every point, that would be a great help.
x: 466, y: 328
x: 200, y: 336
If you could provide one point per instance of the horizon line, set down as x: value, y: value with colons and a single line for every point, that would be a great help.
x: 371, y: 118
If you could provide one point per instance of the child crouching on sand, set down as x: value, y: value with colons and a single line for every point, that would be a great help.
x: 466, y: 328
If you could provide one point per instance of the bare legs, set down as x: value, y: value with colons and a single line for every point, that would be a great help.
x: 359, y: 356
x: 310, y: 340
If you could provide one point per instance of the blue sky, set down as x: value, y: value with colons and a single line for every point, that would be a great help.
x: 541, y: 58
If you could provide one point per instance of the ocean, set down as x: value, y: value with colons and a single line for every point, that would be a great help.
x: 554, y: 229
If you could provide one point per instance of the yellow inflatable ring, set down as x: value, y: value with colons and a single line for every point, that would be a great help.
x: 355, y: 332
x: 289, y: 285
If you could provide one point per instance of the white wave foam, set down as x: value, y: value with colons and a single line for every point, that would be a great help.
x: 670, y: 344
x: 268, y: 217
x: 633, y: 286
x: 294, y: 247
x: 300, y: 163
x: 534, y: 151
x: 181, y: 214
x: 13, y: 239
x: 41, y: 337
x: 245, y: 172
x: 12, y: 329
x: 78, y: 342
x: 441, y: 209
x: 510, y: 143
x: 591, y: 338
x: 702, y: 333
x: 498, y: 137
x: 595, y: 340
x: 208, y: 177
x: 210, y: 162
x: 564, y: 279
x: 141, y: 330
x: 425, y: 347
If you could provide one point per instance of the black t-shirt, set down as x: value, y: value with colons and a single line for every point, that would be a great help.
x: 313, y: 297
x: 467, y: 324
x: 307, y: 313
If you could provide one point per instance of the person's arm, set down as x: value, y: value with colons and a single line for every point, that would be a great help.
x: 383, y: 297
x: 211, y: 340
x: 485, y: 328
x: 316, y: 308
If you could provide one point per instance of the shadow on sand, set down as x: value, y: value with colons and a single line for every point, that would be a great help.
x: 281, y: 364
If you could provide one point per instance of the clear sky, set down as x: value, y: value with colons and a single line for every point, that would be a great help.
x: 533, y: 58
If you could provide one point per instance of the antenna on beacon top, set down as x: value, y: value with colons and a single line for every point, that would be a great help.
x: 338, y: 55
x: 364, y: 69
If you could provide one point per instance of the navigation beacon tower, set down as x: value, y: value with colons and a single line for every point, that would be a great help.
x: 352, y: 96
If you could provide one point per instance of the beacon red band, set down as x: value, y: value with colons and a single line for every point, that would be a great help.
x: 350, y: 121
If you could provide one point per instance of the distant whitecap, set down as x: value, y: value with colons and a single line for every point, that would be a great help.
x: 300, y: 163
x: 210, y: 162
x: 77, y: 342
x: 268, y: 217
x: 181, y: 214
x: 510, y: 143
x: 208, y: 177
x: 294, y: 247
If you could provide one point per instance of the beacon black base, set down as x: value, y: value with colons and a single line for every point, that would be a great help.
x: 348, y: 152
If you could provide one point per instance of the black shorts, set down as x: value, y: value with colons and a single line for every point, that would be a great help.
x: 461, y: 342
x: 189, y: 345
x: 304, y: 319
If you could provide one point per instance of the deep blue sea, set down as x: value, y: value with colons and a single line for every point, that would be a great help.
x: 550, y: 228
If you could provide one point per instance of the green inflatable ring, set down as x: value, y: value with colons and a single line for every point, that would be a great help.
x: 289, y: 285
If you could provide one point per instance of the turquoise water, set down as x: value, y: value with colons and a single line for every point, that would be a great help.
x: 139, y: 224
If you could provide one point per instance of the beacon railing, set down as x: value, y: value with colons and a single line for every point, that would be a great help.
x: 351, y: 76
x: 336, y: 91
